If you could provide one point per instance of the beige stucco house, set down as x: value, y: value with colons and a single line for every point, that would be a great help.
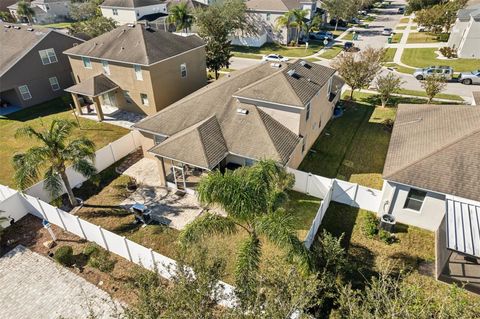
x: 131, y: 11
x: 269, y: 111
x: 32, y: 67
x: 137, y: 69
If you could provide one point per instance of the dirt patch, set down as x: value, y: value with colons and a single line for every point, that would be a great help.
x: 30, y: 233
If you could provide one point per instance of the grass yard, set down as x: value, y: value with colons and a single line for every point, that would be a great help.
x: 60, y: 25
x: 389, y: 54
x: 401, y: 27
x: 331, y: 52
x: 36, y: 116
x: 424, y: 57
x: 424, y: 37
x: 413, y: 27
x: 400, y: 68
x: 348, y: 36
x: 313, y: 47
x: 397, y: 37
x: 413, y: 247
x: 439, y: 96
x: 247, y: 55
x: 404, y: 20
x: 104, y: 193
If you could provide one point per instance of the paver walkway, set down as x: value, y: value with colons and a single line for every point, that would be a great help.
x: 33, y: 286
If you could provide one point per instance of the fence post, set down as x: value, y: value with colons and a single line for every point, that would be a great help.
x: 111, y: 151
x: 41, y: 209
x: 81, y: 228
x: 354, y: 196
x: 306, y: 184
x: 61, y: 219
x: 153, y: 258
x: 128, y: 249
x: 103, y: 237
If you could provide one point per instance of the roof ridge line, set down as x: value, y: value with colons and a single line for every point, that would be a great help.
x: 208, y: 119
x: 475, y: 131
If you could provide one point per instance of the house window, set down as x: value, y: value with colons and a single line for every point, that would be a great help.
x: 87, y: 63
x: 115, y: 12
x: 415, y: 199
x: 183, y: 70
x: 48, y: 56
x: 144, y: 99
x: 307, y: 116
x: 25, y: 92
x: 138, y: 72
x: 249, y: 162
x: 54, y: 83
x: 127, y: 96
x: 106, y: 67
x: 268, y: 16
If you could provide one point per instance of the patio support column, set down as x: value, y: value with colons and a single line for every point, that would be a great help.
x: 161, y: 170
x: 98, y: 108
x: 77, y: 104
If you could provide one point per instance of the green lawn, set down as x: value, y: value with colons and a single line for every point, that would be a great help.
x: 423, y: 37
x: 60, y: 25
x: 389, y: 54
x: 348, y: 36
x: 402, y: 27
x: 424, y: 57
x: 400, y: 68
x: 104, y: 193
x: 100, y: 133
x: 397, y: 37
x: 247, y: 55
x: 413, y: 27
x: 331, y: 52
x: 313, y: 47
x: 423, y: 94
x: 404, y: 20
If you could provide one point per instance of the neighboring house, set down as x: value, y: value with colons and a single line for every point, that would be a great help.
x: 465, y: 34
x: 32, y: 67
x: 264, y: 14
x: 131, y: 11
x: 433, y: 154
x: 137, y: 69
x: 4, y: 4
x: 46, y: 11
x: 269, y: 111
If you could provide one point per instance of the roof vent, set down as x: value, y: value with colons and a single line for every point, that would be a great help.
x: 131, y: 25
x: 242, y: 111
x: 6, y: 26
x: 293, y: 74
x: 275, y: 65
x: 303, y: 63
x: 16, y: 27
x: 30, y: 29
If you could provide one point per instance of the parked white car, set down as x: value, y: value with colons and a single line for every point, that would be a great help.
x: 387, y: 31
x: 468, y: 78
x: 274, y: 58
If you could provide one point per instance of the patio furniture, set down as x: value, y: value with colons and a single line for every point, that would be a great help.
x: 142, y: 214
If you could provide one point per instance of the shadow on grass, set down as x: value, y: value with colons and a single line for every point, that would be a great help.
x: 54, y: 106
x: 340, y: 219
x: 116, y: 213
x: 126, y: 228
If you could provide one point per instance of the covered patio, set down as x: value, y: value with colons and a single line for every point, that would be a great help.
x: 94, y: 88
x: 458, y: 244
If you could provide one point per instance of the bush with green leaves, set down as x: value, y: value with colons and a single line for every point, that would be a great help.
x: 64, y: 255
x: 370, y: 226
x: 90, y: 249
x: 101, y: 260
x: 386, y: 237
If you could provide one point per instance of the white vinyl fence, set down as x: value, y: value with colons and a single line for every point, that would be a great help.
x: 104, y: 157
x: 333, y: 190
x: 17, y: 205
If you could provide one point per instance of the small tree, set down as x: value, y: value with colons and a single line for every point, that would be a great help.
x: 54, y: 153
x: 180, y: 15
x: 293, y: 18
x: 24, y: 9
x: 341, y: 9
x: 359, y: 70
x: 94, y: 26
x: 433, y: 85
x: 386, y: 85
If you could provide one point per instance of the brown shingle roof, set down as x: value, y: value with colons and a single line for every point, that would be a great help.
x: 136, y: 45
x: 94, y: 86
x: 436, y: 148
x: 254, y: 135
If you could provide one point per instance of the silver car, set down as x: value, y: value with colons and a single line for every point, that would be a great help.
x: 469, y: 77
x: 444, y: 71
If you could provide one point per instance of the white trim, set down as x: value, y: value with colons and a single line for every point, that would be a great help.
x: 76, y: 92
x: 268, y: 102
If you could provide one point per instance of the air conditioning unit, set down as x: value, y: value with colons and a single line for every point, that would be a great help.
x: 242, y: 111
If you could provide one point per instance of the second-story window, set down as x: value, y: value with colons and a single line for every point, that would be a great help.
x: 115, y: 12
x: 144, y: 99
x: 106, y: 67
x: 48, y: 56
x: 54, y: 83
x: 138, y: 72
x: 183, y: 70
x: 87, y: 63
x: 307, y: 108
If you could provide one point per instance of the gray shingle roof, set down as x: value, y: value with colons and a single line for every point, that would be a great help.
x: 130, y: 3
x: 274, y: 5
x: 136, y: 45
x: 94, y: 86
x: 476, y: 98
x: 470, y: 11
x: 436, y: 148
x: 254, y: 135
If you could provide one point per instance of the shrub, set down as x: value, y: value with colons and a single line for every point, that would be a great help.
x: 370, y: 226
x: 386, y: 237
x: 64, y: 255
x: 388, y: 124
x: 90, y: 249
x: 448, y: 52
x: 101, y: 260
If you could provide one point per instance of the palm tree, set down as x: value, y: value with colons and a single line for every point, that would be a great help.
x: 293, y: 19
x: 25, y: 10
x: 180, y: 15
x: 287, y: 20
x: 252, y: 197
x: 53, y: 154
x: 299, y: 16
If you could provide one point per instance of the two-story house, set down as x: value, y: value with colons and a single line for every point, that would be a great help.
x: 465, y: 35
x: 32, y: 67
x: 269, y: 111
x: 136, y: 68
x: 45, y: 11
x: 131, y: 11
x: 264, y: 14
